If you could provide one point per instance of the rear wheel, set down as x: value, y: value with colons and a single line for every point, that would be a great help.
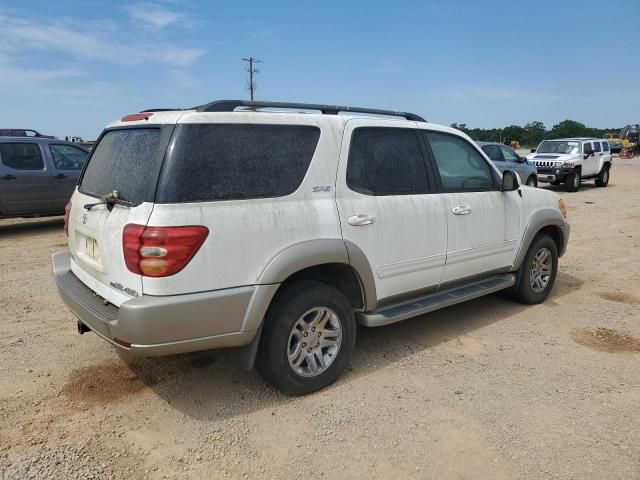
x: 603, y: 177
x: 308, y: 339
x: 532, y: 181
x: 538, y: 271
x: 573, y: 181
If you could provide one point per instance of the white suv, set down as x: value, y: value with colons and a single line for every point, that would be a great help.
x: 572, y: 160
x: 277, y: 231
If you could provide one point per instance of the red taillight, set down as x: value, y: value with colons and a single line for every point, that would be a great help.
x: 136, y: 116
x: 67, y: 211
x: 160, y: 251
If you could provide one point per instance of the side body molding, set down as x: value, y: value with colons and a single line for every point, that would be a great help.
x: 542, y: 218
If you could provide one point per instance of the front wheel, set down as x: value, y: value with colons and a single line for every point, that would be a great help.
x: 308, y: 338
x: 573, y: 181
x: 538, y: 271
x: 603, y: 177
x: 532, y: 181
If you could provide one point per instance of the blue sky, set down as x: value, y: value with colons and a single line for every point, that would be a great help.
x: 69, y: 67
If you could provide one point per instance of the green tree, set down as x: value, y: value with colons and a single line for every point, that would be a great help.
x: 534, y: 133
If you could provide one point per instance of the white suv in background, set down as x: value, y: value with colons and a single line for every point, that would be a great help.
x: 572, y: 160
x: 277, y: 231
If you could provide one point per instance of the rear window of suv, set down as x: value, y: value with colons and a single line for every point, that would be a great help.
x: 126, y: 160
x: 211, y: 162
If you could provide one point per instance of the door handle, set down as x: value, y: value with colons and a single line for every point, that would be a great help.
x: 9, y: 177
x: 60, y: 176
x: 361, y: 219
x: 462, y: 210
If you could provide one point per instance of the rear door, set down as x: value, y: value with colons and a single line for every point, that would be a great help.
x: 25, y: 182
x: 67, y: 162
x: 388, y: 206
x: 128, y: 161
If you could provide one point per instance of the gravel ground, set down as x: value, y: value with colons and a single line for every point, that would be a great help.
x: 489, y: 389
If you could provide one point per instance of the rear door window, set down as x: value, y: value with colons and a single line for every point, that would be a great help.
x: 68, y: 157
x: 236, y: 161
x: 460, y: 165
x: 21, y: 156
x: 605, y: 146
x: 386, y: 161
x: 596, y: 146
x: 126, y: 160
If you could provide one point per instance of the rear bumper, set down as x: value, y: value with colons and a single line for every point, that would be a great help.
x: 167, y: 325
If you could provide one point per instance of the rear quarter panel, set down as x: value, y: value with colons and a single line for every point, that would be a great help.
x: 246, y: 235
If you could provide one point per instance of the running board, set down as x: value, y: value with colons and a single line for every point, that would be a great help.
x: 436, y: 300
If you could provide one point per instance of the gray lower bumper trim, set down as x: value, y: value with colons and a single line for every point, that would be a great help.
x: 159, y: 325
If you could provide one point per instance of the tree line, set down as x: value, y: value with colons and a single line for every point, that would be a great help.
x: 534, y: 132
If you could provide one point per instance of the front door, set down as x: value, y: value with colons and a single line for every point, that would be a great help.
x: 387, y: 206
x: 483, y: 222
x: 68, y: 161
x: 590, y: 164
x: 25, y: 183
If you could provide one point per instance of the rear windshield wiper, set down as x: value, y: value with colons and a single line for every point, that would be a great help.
x: 110, y: 200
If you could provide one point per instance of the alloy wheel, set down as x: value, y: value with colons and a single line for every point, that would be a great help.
x: 314, y: 341
x: 541, y: 269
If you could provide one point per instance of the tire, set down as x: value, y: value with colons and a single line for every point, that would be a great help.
x: 573, y: 181
x: 532, y: 181
x: 603, y: 177
x: 532, y: 287
x: 288, y: 326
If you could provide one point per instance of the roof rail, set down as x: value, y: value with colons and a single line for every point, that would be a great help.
x: 231, y: 105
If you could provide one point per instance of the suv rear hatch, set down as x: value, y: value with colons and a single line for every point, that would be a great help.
x: 124, y: 166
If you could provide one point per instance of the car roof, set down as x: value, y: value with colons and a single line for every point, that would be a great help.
x: 37, y: 140
x: 482, y: 144
x: 574, y: 139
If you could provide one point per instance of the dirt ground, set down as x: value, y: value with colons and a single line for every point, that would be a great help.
x: 489, y: 389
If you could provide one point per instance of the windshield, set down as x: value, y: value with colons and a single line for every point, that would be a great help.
x: 559, y: 147
x: 126, y: 160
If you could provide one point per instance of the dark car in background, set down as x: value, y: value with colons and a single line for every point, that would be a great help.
x: 22, y: 132
x: 506, y: 159
x: 37, y: 175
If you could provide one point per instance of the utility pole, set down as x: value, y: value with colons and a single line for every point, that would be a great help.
x: 251, y: 69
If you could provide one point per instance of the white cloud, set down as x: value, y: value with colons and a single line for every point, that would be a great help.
x: 106, y: 43
x: 10, y: 73
x: 153, y: 15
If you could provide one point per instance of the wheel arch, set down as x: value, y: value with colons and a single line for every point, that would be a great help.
x: 335, y: 262
x: 547, y: 221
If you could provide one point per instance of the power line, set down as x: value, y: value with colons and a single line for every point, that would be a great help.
x: 251, y: 69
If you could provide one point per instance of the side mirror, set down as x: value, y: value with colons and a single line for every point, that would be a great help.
x: 522, y: 159
x: 510, y: 181
x: 533, y: 150
x: 588, y: 152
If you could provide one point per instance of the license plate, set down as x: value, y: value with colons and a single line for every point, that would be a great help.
x: 91, y: 249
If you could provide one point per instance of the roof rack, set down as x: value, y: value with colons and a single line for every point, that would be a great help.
x: 231, y: 105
